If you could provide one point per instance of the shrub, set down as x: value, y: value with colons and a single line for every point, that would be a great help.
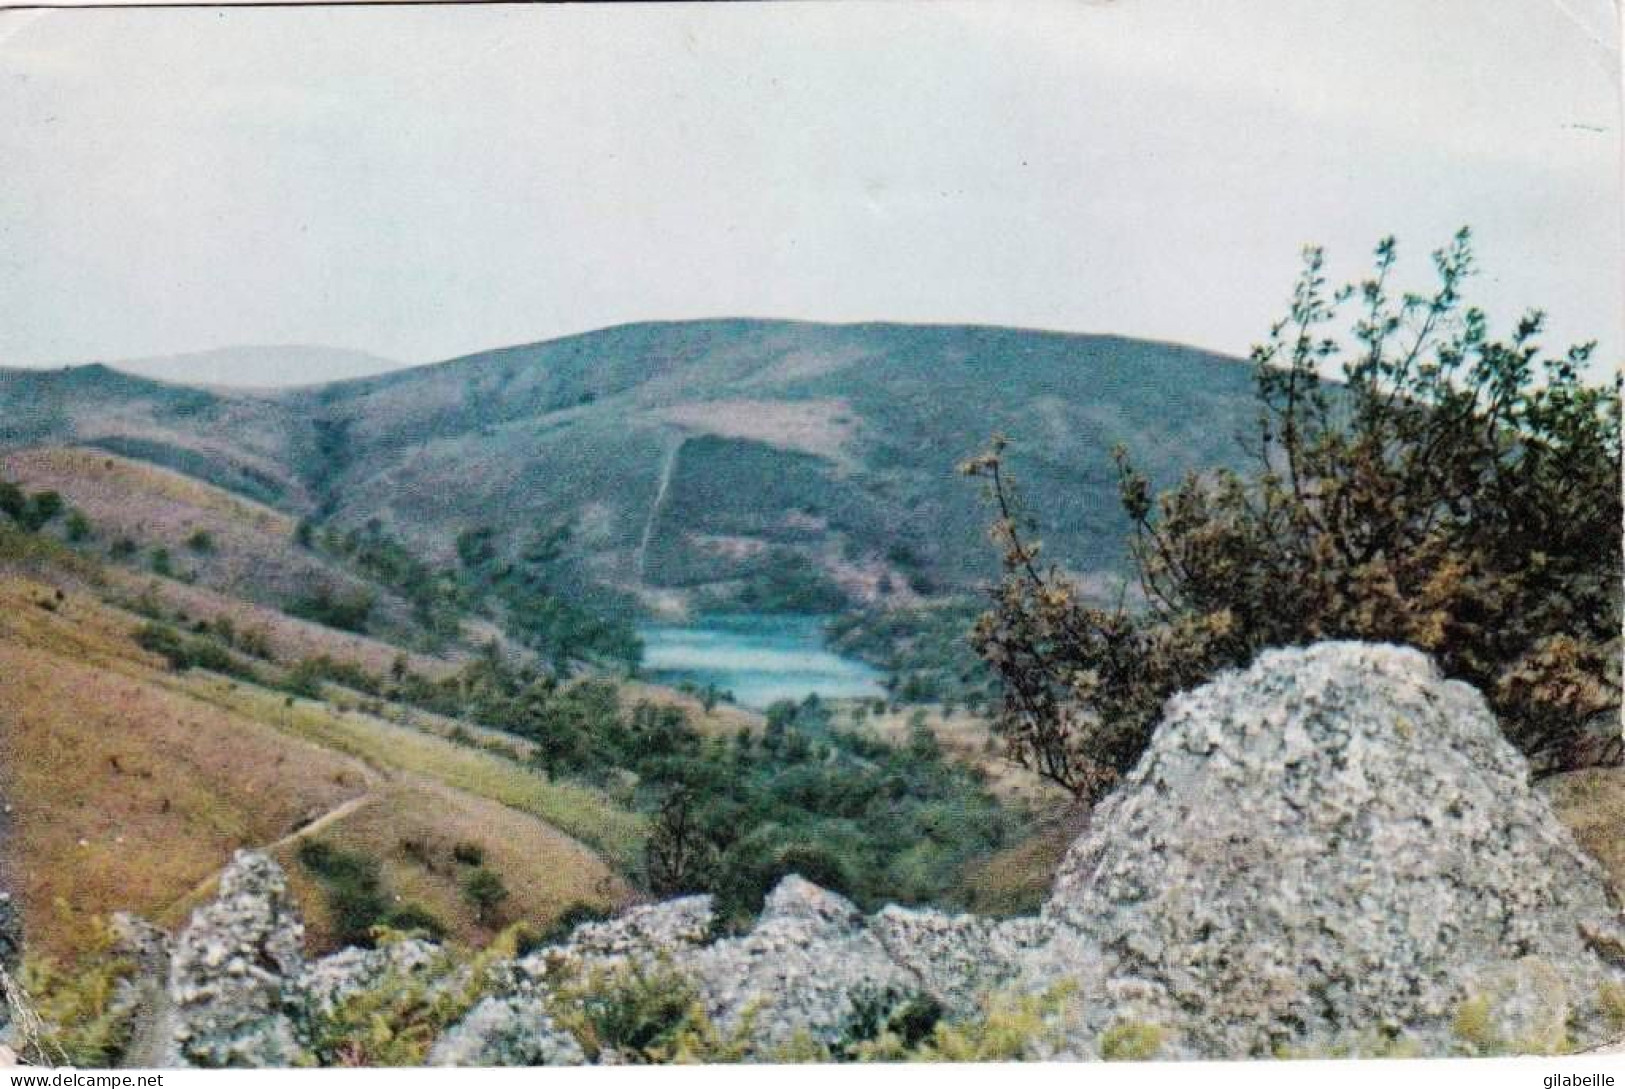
x: 643, y: 1014
x: 1456, y: 493
x: 78, y: 527
x: 1130, y: 1041
x: 485, y: 892
x: 323, y: 606
x: 469, y: 854
x: 887, y: 1023
x: 202, y: 541
x: 356, y: 897
x: 414, y: 919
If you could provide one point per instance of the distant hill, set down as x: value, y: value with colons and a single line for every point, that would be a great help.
x: 259, y: 366
x: 691, y: 461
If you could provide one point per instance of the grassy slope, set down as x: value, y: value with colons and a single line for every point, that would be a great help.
x: 131, y: 785
x: 251, y: 556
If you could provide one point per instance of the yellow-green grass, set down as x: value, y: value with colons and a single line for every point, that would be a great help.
x: 412, y: 827
x: 574, y: 808
x: 723, y: 720
x: 125, y: 791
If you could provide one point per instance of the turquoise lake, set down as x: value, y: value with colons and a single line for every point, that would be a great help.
x: 760, y: 659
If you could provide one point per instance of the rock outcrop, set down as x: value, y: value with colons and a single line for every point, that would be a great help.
x: 1333, y: 847
x: 229, y: 969
x: 1332, y: 852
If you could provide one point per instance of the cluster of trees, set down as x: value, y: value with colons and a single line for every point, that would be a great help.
x: 1455, y: 492
x: 874, y: 821
x: 922, y: 650
x: 31, y: 512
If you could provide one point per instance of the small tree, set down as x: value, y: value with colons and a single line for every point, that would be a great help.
x: 679, y: 856
x: 1456, y: 493
x: 485, y: 892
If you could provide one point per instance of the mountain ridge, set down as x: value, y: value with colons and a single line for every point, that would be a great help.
x: 789, y: 450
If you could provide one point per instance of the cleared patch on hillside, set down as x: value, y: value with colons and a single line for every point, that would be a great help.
x: 967, y: 739
x: 211, y: 536
x: 101, y: 481
x: 821, y: 427
x: 723, y: 720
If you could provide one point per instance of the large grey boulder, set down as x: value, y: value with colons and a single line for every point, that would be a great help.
x: 1333, y: 847
x: 228, y: 970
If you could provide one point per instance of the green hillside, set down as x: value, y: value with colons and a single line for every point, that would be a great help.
x: 694, y: 462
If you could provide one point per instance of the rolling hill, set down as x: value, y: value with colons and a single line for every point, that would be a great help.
x: 693, y: 462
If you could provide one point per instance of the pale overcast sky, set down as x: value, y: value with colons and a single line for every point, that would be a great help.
x: 422, y: 182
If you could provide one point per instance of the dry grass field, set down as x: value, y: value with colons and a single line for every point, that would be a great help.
x: 131, y: 782
x: 412, y: 826
x: 125, y: 787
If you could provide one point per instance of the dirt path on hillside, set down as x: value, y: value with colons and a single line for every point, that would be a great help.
x: 667, y: 469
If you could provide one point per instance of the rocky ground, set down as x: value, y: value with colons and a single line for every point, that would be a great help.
x: 1334, y: 852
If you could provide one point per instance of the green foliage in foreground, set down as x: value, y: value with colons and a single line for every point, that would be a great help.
x: 1456, y: 493
x: 82, y: 1023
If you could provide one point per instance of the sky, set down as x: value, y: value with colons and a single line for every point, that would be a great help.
x: 420, y: 183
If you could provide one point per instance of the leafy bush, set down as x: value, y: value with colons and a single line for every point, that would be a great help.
x: 202, y: 541
x: 485, y: 892
x: 356, y: 896
x: 81, y: 1023
x: 643, y: 1014
x: 469, y: 854
x: 188, y: 652
x: 323, y: 606
x: 414, y: 919
x: 1456, y: 493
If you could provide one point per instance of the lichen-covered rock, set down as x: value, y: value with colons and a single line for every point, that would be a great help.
x: 958, y: 959
x: 667, y: 927
x: 506, y: 1032
x: 801, y: 970
x: 1334, y: 841
x: 326, y: 983
x: 228, y: 970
